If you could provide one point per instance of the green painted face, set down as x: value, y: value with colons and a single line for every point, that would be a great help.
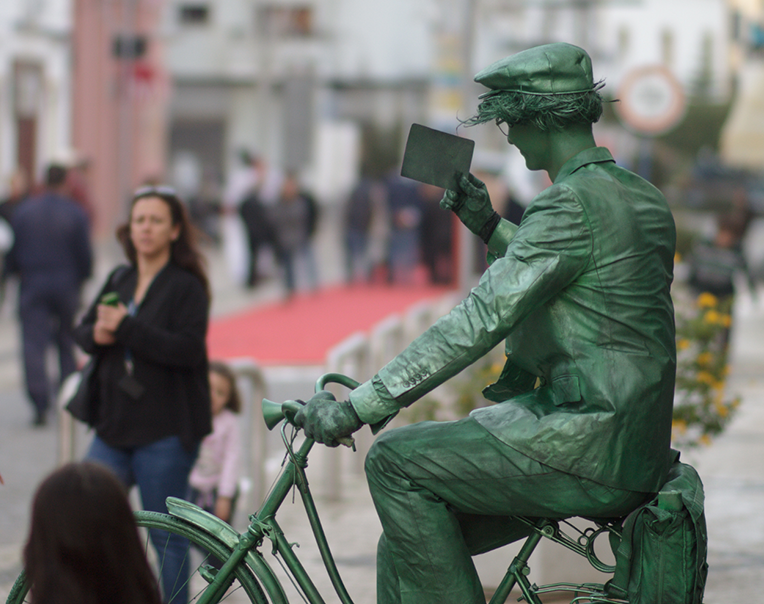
x: 532, y: 143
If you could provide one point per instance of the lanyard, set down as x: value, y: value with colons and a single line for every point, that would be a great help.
x: 132, y: 310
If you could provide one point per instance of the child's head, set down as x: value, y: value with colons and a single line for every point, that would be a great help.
x: 223, y: 391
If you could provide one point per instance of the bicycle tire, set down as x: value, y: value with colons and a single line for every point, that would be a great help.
x: 244, y: 577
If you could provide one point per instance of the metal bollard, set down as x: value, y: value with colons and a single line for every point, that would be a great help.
x: 252, y: 387
x: 350, y: 357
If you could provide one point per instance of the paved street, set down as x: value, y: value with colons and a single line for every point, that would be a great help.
x: 732, y: 470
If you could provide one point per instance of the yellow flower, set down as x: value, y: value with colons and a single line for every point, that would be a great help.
x: 677, y: 257
x: 705, y: 359
x: 725, y: 320
x: 679, y: 425
x: 705, y: 440
x: 721, y: 410
x: 707, y: 300
x: 712, y: 317
x: 704, y: 377
x: 683, y: 344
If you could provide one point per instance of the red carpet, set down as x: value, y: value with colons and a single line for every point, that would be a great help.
x: 301, y: 331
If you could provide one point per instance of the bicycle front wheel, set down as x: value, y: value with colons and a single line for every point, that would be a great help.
x: 201, y: 553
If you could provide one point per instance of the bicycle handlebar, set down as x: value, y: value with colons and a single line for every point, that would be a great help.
x: 336, y: 378
x: 274, y: 412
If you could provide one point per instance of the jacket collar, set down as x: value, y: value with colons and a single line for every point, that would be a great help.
x: 592, y: 155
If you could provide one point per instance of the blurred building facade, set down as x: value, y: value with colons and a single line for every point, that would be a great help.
x: 307, y: 83
x: 174, y: 89
x: 120, y: 93
x: 35, y: 85
x: 742, y: 140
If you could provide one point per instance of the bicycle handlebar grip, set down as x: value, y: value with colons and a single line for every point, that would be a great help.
x: 290, y: 409
x: 274, y: 412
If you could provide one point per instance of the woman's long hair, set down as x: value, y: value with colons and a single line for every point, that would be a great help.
x: 83, y: 543
x: 184, y: 251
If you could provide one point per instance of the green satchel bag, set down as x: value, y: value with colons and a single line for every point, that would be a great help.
x: 661, y: 558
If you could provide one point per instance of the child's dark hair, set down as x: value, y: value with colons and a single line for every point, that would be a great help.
x: 234, y: 400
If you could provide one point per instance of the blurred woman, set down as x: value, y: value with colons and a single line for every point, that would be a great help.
x: 153, y: 405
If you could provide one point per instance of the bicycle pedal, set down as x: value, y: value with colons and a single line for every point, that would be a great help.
x: 208, y: 572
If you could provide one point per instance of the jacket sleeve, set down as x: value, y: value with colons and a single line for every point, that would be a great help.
x: 182, y: 342
x: 549, y: 250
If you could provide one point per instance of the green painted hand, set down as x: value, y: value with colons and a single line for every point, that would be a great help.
x: 472, y: 205
x: 327, y: 421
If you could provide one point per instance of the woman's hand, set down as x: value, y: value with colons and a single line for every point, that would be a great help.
x: 108, y: 319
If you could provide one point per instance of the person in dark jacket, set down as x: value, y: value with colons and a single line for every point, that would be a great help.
x: 52, y: 256
x: 153, y: 392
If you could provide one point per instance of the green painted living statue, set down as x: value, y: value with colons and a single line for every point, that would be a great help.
x: 580, y: 293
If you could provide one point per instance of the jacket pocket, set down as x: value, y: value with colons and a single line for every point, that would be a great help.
x: 566, y: 389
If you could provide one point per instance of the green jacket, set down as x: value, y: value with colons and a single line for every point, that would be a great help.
x: 581, y: 293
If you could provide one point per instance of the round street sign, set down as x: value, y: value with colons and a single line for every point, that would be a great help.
x: 652, y: 101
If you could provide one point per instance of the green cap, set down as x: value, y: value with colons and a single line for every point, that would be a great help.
x: 543, y: 70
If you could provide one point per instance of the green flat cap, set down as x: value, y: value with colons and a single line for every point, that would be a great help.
x: 543, y: 70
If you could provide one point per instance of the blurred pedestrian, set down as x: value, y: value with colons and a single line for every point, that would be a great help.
x: 253, y: 188
x: 291, y: 218
x: 405, y: 211
x: 714, y: 263
x: 78, y: 183
x: 153, y: 396
x: 366, y: 201
x: 214, y: 478
x: 83, y: 545
x: 436, y: 237
x: 260, y: 233
x: 18, y: 191
x: 51, y: 254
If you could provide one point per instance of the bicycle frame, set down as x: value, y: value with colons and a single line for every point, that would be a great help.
x: 263, y: 525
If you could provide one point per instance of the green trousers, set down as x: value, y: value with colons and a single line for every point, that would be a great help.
x: 445, y: 491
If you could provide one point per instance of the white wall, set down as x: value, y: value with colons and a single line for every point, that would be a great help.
x: 45, y: 41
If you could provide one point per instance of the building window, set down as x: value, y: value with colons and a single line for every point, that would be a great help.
x: 194, y: 14
x: 285, y: 21
x: 667, y: 47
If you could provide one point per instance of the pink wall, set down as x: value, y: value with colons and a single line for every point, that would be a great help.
x: 119, y: 106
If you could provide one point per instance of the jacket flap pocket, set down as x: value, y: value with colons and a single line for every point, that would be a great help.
x: 566, y: 389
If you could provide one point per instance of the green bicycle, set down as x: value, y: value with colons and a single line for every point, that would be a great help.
x: 225, y: 562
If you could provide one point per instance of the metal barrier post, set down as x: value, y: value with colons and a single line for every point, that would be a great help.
x: 350, y: 357
x: 386, y: 341
x: 253, y: 389
x: 67, y: 425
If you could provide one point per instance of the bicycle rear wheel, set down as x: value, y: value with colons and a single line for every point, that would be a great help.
x: 200, y: 554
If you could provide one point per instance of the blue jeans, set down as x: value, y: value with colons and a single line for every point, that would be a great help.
x: 160, y: 470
